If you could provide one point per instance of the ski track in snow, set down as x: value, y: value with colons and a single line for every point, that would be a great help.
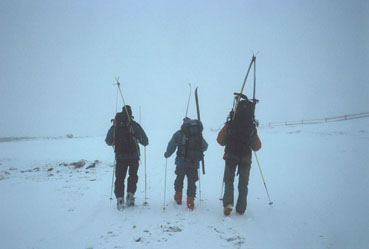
x: 48, y: 203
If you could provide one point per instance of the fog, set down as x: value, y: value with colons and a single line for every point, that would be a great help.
x: 59, y: 60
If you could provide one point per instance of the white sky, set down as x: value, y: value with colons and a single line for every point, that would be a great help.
x: 59, y: 60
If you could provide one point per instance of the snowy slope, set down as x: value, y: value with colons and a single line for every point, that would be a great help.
x: 317, y: 176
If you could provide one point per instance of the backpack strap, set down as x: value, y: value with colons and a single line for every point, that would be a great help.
x: 181, y: 152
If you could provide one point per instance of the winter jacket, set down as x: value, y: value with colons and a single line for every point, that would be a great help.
x: 140, y: 136
x: 222, y: 140
x: 175, y: 143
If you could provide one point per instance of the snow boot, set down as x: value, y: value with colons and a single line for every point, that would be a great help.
x: 178, y: 198
x: 120, y: 203
x: 130, y: 199
x: 239, y: 212
x: 227, y: 209
x: 190, y: 203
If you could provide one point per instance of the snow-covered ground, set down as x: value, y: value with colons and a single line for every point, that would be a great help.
x: 317, y: 177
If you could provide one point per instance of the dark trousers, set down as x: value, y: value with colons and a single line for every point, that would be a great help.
x: 192, y: 177
x: 243, y: 181
x: 120, y: 175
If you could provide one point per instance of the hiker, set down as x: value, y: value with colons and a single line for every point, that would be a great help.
x: 124, y: 135
x: 239, y: 136
x: 190, y: 146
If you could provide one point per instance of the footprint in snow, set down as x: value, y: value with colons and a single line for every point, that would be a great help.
x: 234, y: 238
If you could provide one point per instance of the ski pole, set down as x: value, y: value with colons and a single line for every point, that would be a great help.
x: 221, y: 192
x: 112, y: 180
x: 262, y: 176
x: 199, y: 185
x: 254, y: 78
x: 115, y: 161
x: 189, y: 97
x: 145, y: 203
x: 165, y: 183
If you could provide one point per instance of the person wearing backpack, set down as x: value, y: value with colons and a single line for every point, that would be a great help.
x: 239, y: 136
x: 125, y: 135
x: 190, y: 146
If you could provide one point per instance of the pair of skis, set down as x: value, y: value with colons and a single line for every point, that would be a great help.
x: 198, y: 118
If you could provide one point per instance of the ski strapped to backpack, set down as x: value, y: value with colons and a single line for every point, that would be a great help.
x: 198, y: 117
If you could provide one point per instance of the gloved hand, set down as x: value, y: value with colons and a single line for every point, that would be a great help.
x: 166, y: 155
